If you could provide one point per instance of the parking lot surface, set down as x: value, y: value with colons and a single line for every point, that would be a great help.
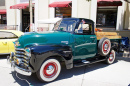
x: 98, y: 74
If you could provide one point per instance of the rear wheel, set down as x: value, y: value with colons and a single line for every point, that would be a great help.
x: 111, y: 58
x: 49, y: 70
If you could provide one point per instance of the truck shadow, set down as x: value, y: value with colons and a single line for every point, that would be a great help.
x: 65, y: 74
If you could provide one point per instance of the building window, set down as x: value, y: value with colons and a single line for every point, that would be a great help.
x: 2, y: 2
x: 106, y: 18
x: 3, y: 19
x: 63, y: 12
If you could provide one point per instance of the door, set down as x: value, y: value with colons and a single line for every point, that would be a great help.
x: 90, y: 45
x: 26, y: 19
x: 79, y: 48
x: 26, y: 23
x: 85, y: 41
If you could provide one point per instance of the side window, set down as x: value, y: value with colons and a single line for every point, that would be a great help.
x: 7, y: 35
x: 84, y: 28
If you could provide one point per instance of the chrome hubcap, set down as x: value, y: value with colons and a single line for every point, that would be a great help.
x: 50, y: 69
x: 105, y: 46
x: 111, y: 56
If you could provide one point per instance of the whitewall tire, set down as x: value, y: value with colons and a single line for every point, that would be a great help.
x: 111, y: 58
x: 49, y: 70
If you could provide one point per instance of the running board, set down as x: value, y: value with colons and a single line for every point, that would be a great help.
x: 83, y: 63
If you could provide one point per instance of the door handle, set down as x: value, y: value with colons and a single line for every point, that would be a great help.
x: 4, y: 42
x: 93, y: 39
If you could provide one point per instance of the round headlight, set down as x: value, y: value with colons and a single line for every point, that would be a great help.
x: 28, y: 52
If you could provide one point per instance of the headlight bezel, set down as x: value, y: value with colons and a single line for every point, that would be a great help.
x: 16, y: 44
x: 28, y: 52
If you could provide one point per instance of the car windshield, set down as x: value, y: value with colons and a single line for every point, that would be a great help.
x: 65, y: 25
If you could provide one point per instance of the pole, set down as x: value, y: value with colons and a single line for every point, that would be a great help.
x: 31, y: 17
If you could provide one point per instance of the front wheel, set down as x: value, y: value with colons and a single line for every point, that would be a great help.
x: 111, y: 58
x: 49, y: 70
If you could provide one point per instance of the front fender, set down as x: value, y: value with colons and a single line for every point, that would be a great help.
x: 40, y: 53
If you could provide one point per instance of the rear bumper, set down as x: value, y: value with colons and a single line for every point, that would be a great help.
x: 18, y: 69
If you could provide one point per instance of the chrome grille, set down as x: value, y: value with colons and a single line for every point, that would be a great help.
x: 21, y: 54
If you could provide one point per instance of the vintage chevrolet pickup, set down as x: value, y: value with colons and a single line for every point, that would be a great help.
x: 73, y: 42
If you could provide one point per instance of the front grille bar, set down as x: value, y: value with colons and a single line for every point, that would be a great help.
x: 18, y: 52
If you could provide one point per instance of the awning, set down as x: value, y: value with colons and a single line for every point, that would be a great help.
x: 60, y: 4
x: 109, y: 3
x: 2, y: 11
x: 20, y: 6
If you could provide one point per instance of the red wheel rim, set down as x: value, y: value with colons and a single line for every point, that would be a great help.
x: 50, y: 70
x: 111, y: 56
x: 106, y: 46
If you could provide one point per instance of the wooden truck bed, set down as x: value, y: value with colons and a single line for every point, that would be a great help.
x: 110, y: 35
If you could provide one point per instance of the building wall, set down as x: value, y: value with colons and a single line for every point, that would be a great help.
x: 123, y: 17
x: 83, y: 9
x: 2, y: 7
x: 127, y: 16
x: 93, y: 10
x: 11, y: 13
x: 120, y: 17
x: 42, y: 10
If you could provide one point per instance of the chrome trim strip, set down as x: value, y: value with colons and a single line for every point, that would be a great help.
x: 84, y: 44
x: 67, y: 51
x: 20, y: 49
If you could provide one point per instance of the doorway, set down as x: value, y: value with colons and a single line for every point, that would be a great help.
x: 26, y: 19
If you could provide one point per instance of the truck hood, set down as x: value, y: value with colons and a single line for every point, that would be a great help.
x: 52, y: 37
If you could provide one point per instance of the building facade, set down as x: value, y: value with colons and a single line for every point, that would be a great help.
x: 110, y: 16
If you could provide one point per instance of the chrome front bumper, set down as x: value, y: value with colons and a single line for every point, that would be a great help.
x: 18, y: 69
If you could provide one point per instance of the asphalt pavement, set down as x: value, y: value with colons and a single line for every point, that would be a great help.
x: 98, y: 74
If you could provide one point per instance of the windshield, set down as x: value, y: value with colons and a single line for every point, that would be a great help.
x: 65, y: 25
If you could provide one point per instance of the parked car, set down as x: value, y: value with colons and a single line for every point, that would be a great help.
x: 73, y: 41
x: 7, y: 37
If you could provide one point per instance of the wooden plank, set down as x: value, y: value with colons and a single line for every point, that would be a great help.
x: 106, y: 33
x: 110, y: 37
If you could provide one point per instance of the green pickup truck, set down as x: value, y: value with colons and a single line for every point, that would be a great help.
x: 73, y: 42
